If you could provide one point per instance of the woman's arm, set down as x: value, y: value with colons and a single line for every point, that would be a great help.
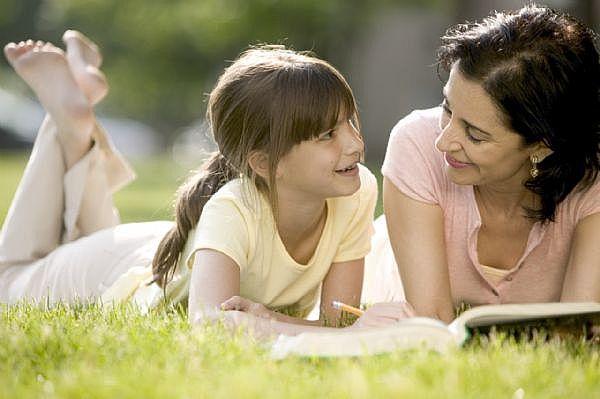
x: 416, y: 231
x: 582, y: 280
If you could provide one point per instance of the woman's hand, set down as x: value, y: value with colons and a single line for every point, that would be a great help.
x: 246, y: 305
x: 383, y: 314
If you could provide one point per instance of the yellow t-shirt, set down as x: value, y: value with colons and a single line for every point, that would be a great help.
x: 238, y: 222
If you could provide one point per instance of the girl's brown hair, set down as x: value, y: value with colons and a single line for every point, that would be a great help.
x: 269, y: 100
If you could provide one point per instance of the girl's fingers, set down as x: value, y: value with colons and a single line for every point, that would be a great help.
x: 235, y: 303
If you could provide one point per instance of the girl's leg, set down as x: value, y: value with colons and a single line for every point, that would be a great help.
x: 83, y: 270
x: 66, y: 189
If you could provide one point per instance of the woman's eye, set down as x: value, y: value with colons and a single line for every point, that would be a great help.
x: 446, y: 109
x: 472, y: 138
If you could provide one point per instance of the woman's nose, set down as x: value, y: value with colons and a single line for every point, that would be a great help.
x: 447, y: 141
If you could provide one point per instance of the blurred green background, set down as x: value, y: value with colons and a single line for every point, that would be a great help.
x: 161, y: 57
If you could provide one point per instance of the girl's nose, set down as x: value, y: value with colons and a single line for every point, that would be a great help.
x: 354, y: 141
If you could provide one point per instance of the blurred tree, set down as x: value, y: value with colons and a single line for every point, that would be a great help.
x: 161, y: 56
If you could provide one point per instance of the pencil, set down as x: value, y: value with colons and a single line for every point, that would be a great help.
x: 347, y: 308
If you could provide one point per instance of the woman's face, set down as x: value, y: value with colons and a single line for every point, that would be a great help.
x: 478, y: 148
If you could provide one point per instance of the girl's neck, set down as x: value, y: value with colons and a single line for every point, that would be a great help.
x: 299, y: 218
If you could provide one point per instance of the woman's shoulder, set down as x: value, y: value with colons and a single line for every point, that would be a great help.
x: 412, y: 141
x: 583, y: 201
x: 412, y: 162
x: 420, y: 125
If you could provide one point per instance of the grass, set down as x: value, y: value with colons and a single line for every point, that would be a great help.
x: 81, y: 351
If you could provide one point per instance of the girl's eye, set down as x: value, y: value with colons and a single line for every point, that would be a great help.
x: 328, y: 135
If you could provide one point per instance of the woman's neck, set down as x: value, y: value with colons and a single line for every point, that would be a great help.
x: 503, y: 201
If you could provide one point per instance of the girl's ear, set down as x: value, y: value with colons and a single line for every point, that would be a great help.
x: 259, y: 163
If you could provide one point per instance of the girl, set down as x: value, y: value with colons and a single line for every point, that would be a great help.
x: 280, y: 214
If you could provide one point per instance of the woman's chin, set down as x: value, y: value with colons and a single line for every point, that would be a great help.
x: 461, y: 177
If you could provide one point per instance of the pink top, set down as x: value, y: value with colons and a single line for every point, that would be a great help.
x: 416, y: 168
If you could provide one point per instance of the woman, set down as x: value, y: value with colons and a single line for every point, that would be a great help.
x: 493, y: 196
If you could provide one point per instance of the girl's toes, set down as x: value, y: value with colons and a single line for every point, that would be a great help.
x: 11, y: 51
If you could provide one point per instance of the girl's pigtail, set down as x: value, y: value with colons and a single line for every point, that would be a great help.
x: 191, y: 198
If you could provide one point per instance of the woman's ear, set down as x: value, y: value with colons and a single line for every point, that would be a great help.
x: 541, y: 151
x: 259, y: 163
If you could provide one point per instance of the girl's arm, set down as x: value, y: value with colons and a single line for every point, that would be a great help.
x: 416, y: 231
x: 342, y: 283
x: 215, y: 279
x: 582, y: 280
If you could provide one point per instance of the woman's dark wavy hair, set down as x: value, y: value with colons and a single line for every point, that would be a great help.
x: 541, y: 67
x: 269, y: 99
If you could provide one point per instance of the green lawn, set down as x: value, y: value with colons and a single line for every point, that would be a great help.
x: 84, y: 352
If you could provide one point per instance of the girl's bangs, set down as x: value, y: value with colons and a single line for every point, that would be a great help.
x: 321, y: 103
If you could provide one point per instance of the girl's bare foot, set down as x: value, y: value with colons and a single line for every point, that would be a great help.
x: 45, y: 69
x: 84, y: 58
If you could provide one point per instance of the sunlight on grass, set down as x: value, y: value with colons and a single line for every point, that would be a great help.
x: 82, y: 351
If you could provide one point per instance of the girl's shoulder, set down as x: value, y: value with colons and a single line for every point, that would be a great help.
x: 239, y: 195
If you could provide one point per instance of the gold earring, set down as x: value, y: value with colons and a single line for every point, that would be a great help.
x: 534, y: 171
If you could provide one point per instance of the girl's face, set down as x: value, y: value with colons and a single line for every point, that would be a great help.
x: 478, y: 148
x: 324, y: 167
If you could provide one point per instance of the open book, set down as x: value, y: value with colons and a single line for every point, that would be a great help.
x: 425, y: 332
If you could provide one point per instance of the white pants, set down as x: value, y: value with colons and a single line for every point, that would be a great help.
x: 382, y: 281
x: 61, y: 239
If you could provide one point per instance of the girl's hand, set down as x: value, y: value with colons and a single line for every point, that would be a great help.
x: 246, y: 305
x: 383, y: 314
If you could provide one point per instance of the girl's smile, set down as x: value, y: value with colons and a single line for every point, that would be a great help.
x: 350, y: 171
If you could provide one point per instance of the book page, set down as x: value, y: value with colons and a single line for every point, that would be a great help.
x: 409, y: 333
x: 497, y: 314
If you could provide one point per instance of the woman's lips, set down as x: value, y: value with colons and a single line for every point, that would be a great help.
x: 454, y: 163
